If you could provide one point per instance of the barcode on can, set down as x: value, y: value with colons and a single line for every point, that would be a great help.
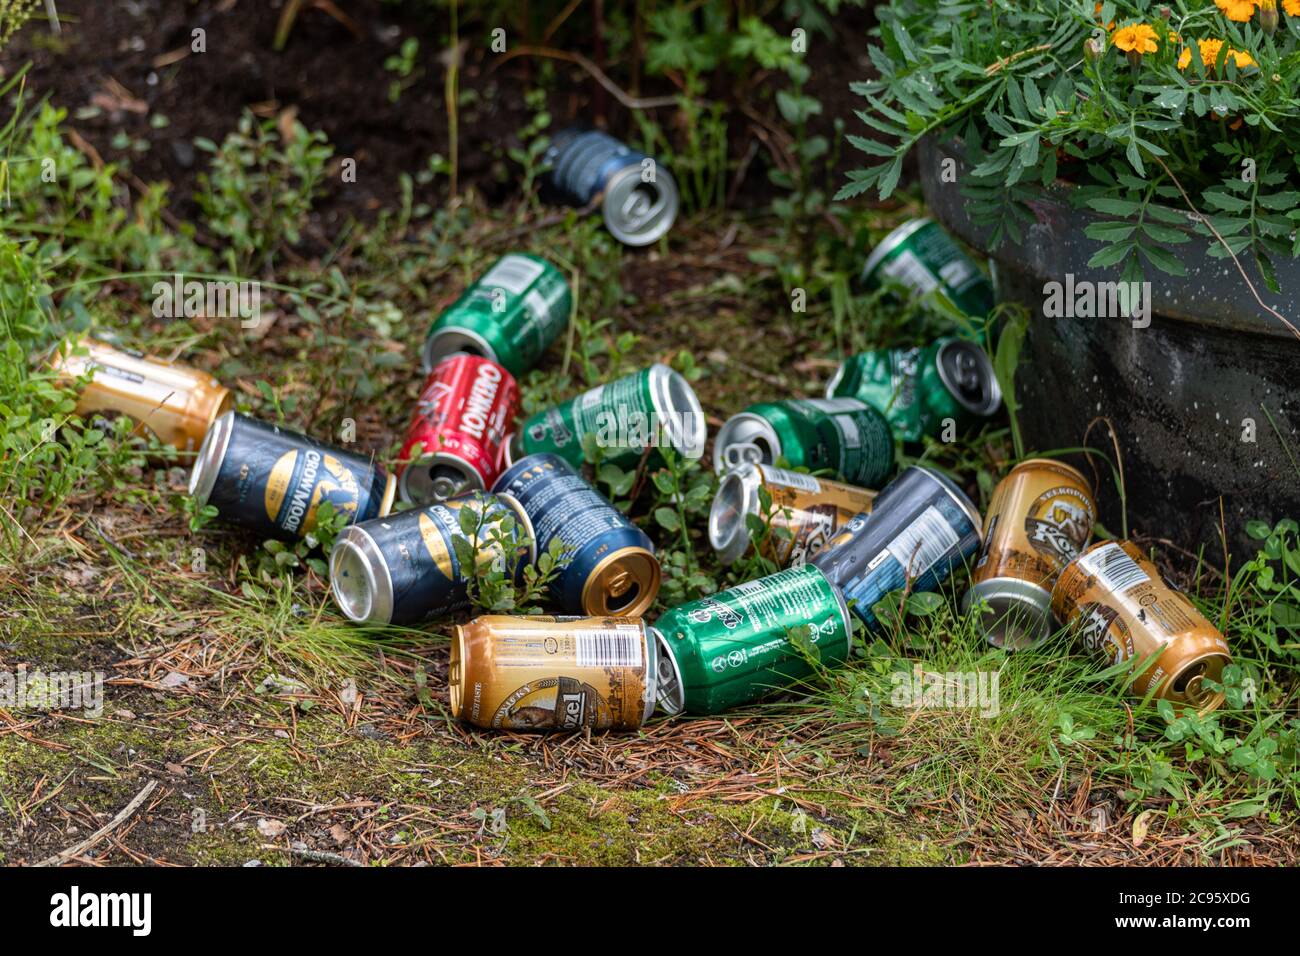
x: 1114, y: 568
x: 924, y: 543
x: 514, y: 274
x: 609, y: 647
x: 791, y: 479
x: 909, y: 270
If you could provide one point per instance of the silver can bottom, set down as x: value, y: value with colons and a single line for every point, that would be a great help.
x: 1018, y: 613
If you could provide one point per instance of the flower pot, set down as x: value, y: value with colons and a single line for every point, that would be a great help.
x: 1205, y: 401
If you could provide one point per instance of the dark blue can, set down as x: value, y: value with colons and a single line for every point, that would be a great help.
x: 272, y: 480
x: 638, y: 197
x: 608, y: 566
x: 921, y: 527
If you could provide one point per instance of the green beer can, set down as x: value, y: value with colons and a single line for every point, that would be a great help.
x: 923, y: 257
x: 845, y: 435
x: 733, y: 647
x: 647, y: 409
x: 917, y: 389
x: 510, y: 315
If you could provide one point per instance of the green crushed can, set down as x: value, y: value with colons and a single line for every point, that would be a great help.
x: 918, y: 389
x: 845, y: 435
x: 734, y: 646
x: 647, y: 409
x: 923, y: 257
x: 510, y: 315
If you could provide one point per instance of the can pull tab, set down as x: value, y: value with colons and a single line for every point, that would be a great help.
x: 638, y: 205
x: 618, y: 584
x: 742, y: 453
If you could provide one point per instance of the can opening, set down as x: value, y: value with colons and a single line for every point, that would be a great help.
x: 351, y: 581
x: 727, y: 515
x: 616, y: 602
x: 965, y: 370
x: 756, y: 452
x: 1190, y: 681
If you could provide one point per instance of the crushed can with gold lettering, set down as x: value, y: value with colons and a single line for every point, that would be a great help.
x: 1114, y: 596
x: 272, y: 480
x: 552, y: 673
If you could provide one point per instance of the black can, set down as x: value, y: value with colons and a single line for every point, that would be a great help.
x: 608, y: 566
x: 406, y: 568
x: 272, y: 480
x: 920, y: 527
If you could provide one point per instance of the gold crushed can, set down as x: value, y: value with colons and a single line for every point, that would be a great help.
x: 1039, y: 519
x: 811, y: 510
x: 1124, y: 610
x: 553, y: 673
x: 176, y: 403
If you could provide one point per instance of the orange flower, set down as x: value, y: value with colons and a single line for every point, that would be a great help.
x: 1210, y: 53
x: 1292, y: 7
x: 1138, y: 38
x: 1239, y: 10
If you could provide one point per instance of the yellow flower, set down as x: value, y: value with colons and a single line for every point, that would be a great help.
x: 1292, y: 7
x: 1210, y: 53
x: 1139, y: 38
x: 1239, y: 10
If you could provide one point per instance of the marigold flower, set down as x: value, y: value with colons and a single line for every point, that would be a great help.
x: 1268, y: 17
x: 1292, y: 7
x: 1210, y: 53
x: 1138, y: 38
x: 1239, y: 10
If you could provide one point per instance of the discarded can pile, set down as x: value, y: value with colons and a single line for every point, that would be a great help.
x: 491, y: 493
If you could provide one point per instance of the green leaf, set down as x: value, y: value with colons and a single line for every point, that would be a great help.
x: 667, y: 518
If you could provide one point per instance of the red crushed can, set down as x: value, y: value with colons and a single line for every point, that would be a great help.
x: 456, y: 442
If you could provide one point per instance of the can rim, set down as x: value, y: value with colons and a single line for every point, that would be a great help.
x: 456, y: 672
x: 1057, y: 463
x: 1203, y: 704
x: 669, y: 389
x: 1017, y: 608
x: 521, y: 516
x: 670, y: 694
x: 431, y: 353
x: 375, y: 605
x: 650, y: 696
x: 473, y: 480
x: 647, y: 584
x: 751, y: 424
x: 618, y: 191
x: 891, y: 242
x: 731, y: 543
x: 211, y: 456
x: 991, y: 393
x: 843, y: 606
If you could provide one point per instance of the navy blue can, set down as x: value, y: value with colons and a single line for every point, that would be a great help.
x: 920, y: 527
x: 638, y: 197
x: 407, y: 568
x: 608, y: 566
x: 272, y: 480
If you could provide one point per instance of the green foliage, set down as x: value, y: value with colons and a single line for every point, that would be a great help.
x: 402, y: 66
x: 260, y: 188
x: 1013, y: 84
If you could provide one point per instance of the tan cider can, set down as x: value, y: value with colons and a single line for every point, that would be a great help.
x: 553, y: 673
x: 1039, y: 519
x: 1114, y: 595
x: 810, y: 511
x: 176, y: 403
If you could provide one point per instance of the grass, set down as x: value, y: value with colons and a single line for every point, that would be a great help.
x: 235, y: 682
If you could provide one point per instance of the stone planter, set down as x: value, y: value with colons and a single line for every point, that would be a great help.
x: 1185, y: 394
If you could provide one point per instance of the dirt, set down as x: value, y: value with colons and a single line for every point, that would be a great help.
x: 129, y: 68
